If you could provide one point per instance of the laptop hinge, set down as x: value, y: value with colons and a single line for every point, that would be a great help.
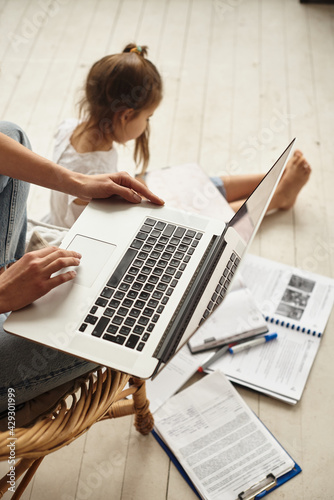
x: 191, y: 297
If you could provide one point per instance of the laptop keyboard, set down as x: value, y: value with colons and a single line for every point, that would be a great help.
x: 222, y: 286
x: 132, y: 301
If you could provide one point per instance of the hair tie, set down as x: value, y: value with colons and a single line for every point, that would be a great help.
x: 137, y: 50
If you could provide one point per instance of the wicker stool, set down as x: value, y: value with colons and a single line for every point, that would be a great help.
x: 98, y: 396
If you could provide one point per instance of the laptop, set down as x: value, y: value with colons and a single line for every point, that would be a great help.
x: 148, y: 278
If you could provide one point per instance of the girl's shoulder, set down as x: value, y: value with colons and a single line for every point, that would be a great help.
x: 63, y: 136
x: 66, y: 128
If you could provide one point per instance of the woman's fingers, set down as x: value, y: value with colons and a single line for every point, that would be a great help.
x: 52, y: 259
x: 60, y: 279
x: 59, y: 263
x: 131, y: 189
x: 118, y: 183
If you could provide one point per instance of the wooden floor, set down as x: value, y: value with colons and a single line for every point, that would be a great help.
x: 242, y: 77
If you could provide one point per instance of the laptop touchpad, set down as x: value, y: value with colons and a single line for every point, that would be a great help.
x: 95, y: 254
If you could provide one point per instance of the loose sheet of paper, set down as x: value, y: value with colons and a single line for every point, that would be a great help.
x: 174, y: 375
x: 219, y: 441
x: 187, y: 187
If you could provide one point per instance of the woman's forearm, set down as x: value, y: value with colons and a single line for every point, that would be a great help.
x: 19, y: 162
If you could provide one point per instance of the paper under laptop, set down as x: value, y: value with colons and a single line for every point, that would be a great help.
x: 148, y: 277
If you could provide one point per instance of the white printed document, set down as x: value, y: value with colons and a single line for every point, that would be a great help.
x: 219, y: 442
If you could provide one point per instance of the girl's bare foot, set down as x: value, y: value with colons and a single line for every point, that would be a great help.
x: 295, y: 176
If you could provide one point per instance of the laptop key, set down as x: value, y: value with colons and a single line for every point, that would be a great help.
x: 139, y: 304
x: 146, y: 248
x: 91, y: 319
x: 129, y: 321
x: 141, y: 236
x: 148, y: 311
x: 142, y: 255
x: 117, y: 320
x: 141, y: 346
x: 155, y: 233
x: 145, y: 229
x: 143, y: 320
x: 124, y: 287
x: 135, y: 313
x: 100, y: 326
x: 160, y: 225
x: 150, y: 222
x: 112, y: 329
x: 109, y: 312
x: 123, y: 311
x: 190, y: 233
x: 122, y: 268
x: 127, y: 302
x: 107, y: 292
x: 117, y: 339
x: 136, y: 244
x: 132, y: 341
x: 180, y: 232
x: 169, y: 229
x: 138, y: 329
x: 114, y: 303
x: 101, y: 302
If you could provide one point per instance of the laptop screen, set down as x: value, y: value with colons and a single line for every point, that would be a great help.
x: 249, y: 216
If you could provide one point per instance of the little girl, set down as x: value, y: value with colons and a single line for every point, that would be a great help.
x: 122, y: 91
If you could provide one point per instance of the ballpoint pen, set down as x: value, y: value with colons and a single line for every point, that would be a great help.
x: 251, y: 343
x: 213, y: 358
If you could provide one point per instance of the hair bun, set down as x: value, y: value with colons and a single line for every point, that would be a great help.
x: 141, y: 50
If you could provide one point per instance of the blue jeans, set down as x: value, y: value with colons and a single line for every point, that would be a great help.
x: 28, y: 368
x: 13, y: 197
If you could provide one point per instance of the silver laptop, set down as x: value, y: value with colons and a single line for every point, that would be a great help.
x: 148, y: 277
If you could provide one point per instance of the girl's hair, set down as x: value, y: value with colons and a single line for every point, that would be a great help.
x: 116, y: 83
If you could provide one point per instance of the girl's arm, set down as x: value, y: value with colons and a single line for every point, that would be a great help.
x: 19, y: 162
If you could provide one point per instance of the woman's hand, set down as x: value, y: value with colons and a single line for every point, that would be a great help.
x: 30, y: 277
x: 118, y: 183
x: 19, y: 162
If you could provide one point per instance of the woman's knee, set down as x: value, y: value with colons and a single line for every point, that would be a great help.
x: 15, y: 132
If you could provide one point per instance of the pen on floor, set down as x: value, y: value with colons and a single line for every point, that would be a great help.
x: 218, y: 354
x: 251, y: 343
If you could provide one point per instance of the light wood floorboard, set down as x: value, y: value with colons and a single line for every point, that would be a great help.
x: 241, y: 77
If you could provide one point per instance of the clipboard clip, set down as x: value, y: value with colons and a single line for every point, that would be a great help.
x: 264, y: 485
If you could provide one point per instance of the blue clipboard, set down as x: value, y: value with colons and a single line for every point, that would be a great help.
x: 262, y: 489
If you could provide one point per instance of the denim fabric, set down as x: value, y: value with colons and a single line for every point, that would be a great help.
x: 218, y: 182
x: 13, y: 197
x: 29, y: 368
